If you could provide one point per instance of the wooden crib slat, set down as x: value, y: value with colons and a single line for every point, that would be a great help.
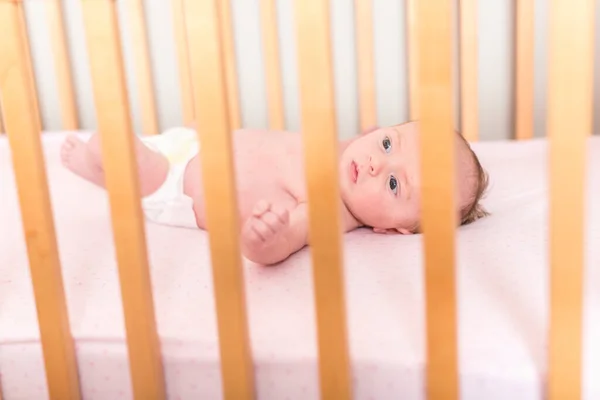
x: 120, y: 169
x: 570, y: 72
x: 183, y: 59
x: 468, y: 69
x: 524, y: 73
x: 272, y: 64
x: 315, y: 72
x: 141, y: 57
x: 413, y: 55
x: 438, y: 141
x: 64, y: 76
x: 29, y: 65
x: 235, y: 120
x: 209, y: 83
x: 36, y: 211
x: 363, y: 12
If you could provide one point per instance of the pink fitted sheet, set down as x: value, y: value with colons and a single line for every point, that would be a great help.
x: 502, y: 297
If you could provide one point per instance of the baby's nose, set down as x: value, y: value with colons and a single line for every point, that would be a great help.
x: 374, y: 165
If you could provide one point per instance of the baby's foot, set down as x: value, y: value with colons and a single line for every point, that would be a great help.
x: 76, y: 157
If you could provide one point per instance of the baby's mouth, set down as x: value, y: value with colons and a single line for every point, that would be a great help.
x: 353, y: 172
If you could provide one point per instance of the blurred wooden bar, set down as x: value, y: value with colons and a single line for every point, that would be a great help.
x: 273, y: 78
x: 228, y: 51
x: 183, y: 62
x: 469, y: 70
x: 62, y: 65
x: 318, y: 125
x: 439, y: 220
x: 120, y: 169
x: 363, y: 14
x: 413, y: 56
x: 141, y: 59
x: 21, y: 124
x: 29, y: 64
x: 212, y: 113
x: 570, y: 99
x: 524, y: 84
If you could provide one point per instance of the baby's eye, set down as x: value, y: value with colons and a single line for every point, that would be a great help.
x: 393, y: 184
x: 387, y: 144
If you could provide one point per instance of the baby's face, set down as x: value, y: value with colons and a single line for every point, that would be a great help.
x: 379, y: 178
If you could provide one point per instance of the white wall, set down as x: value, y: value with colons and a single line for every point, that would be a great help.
x: 495, y: 68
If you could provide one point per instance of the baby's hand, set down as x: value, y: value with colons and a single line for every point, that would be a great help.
x: 266, y: 222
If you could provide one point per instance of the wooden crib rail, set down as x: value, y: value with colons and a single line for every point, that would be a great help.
x: 64, y: 75
x: 210, y: 90
x: 228, y: 50
x: 318, y: 126
x: 183, y: 62
x: 524, y: 83
x: 22, y: 126
x: 141, y: 59
x: 119, y: 161
x: 570, y: 72
x: 469, y: 99
x: 433, y: 19
x: 413, y: 56
x: 273, y: 78
x: 363, y: 15
x: 29, y: 64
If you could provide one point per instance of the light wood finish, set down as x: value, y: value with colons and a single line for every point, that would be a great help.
x: 181, y: 42
x: 210, y: 94
x: 468, y: 70
x: 318, y: 125
x: 272, y: 64
x: 570, y: 98
x: 36, y: 210
x: 117, y: 141
x: 413, y: 55
x: 62, y: 65
x: 524, y: 73
x: 363, y: 14
x: 29, y: 65
x: 143, y: 67
x: 439, y: 219
x: 228, y: 51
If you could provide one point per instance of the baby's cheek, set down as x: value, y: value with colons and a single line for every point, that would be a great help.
x: 375, y: 210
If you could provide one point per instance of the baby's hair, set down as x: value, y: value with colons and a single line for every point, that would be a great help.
x: 474, y: 210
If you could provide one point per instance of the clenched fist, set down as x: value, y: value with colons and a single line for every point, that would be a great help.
x: 266, y: 222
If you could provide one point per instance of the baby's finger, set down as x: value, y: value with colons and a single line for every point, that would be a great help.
x: 272, y: 221
x: 251, y: 236
x: 262, y: 230
x: 281, y: 213
x: 260, y: 208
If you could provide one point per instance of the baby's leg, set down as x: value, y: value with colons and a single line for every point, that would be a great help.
x: 85, y: 160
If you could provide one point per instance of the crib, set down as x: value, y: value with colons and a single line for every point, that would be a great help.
x: 427, y: 342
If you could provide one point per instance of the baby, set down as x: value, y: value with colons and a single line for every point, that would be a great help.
x: 378, y: 178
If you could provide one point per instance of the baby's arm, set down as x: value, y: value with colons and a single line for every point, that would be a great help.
x: 273, y: 233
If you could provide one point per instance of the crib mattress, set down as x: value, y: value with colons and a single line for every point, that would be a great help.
x: 501, y: 280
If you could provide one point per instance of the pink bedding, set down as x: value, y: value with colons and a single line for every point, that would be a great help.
x: 502, y: 283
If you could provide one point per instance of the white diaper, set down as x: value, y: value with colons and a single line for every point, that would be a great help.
x: 169, y: 205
